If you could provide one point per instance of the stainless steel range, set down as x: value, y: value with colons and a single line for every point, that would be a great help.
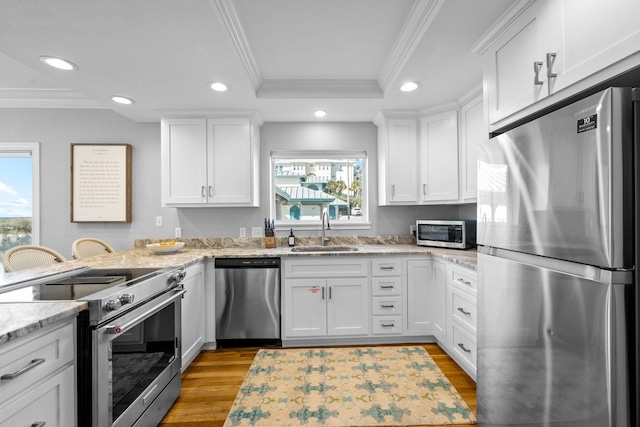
x: 129, y: 340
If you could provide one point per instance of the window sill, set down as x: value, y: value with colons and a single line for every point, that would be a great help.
x: 316, y: 225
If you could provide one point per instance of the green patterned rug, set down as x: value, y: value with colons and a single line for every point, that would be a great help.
x: 347, y: 386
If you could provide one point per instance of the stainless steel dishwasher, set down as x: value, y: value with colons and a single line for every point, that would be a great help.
x: 247, y: 301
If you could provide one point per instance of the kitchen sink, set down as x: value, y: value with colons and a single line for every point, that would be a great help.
x: 324, y: 249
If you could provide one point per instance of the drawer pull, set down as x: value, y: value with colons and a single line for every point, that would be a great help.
x: 387, y: 306
x: 464, y: 282
x: 387, y: 286
x: 461, y: 310
x: 39, y: 424
x: 387, y: 268
x: 388, y: 325
x: 30, y: 366
x: 466, y: 350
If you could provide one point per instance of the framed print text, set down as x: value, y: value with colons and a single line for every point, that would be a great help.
x: 100, y: 183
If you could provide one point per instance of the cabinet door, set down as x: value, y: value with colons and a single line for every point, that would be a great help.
x: 193, y: 314
x: 440, y: 301
x: 305, y: 308
x: 398, y: 166
x: 347, y: 307
x: 596, y: 35
x: 439, y: 158
x: 473, y: 132
x: 419, y: 295
x: 230, y: 159
x: 510, y: 63
x: 184, y: 165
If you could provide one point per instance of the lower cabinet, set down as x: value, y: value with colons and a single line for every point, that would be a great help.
x: 42, y: 389
x: 193, y: 313
x: 325, y: 297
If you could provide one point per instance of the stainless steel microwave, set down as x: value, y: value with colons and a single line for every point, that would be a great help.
x: 446, y: 233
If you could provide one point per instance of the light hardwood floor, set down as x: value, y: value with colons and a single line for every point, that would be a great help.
x: 211, y: 382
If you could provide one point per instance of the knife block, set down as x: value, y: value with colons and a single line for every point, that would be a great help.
x: 270, y: 242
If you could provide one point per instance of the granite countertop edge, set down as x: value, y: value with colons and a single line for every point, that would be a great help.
x: 20, y: 319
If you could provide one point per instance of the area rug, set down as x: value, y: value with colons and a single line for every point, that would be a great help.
x: 347, y: 386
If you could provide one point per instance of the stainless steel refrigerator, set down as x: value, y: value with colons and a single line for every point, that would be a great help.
x: 557, y: 249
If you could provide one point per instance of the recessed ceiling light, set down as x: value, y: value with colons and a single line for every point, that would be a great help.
x: 320, y: 113
x: 219, y: 86
x: 122, y: 100
x: 60, y: 64
x: 409, y: 86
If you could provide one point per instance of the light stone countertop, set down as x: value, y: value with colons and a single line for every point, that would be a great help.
x: 18, y: 319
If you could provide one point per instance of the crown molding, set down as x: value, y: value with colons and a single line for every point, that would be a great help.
x: 213, y: 114
x: 45, y: 98
x: 319, y: 88
x: 500, y: 26
x: 472, y: 93
x: 229, y: 18
x: 418, y: 22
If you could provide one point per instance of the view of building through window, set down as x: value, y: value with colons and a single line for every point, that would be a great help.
x: 305, y: 186
x: 16, y: 197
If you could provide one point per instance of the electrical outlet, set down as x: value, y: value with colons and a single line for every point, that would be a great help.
x: 412, y: 229
x: 178, y: 232
x: 243, y: 231
x: 158, y: 221
x: 256, y: 232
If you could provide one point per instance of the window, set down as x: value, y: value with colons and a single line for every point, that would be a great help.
x: 302, y: 191
x: 19, y: 189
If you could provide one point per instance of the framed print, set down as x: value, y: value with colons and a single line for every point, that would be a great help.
x: 100, y: 183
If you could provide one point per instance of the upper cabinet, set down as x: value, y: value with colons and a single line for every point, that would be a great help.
x: 431, y: 159
x: 397, y: 166
x: 210, y: 162
x: 551, y: 46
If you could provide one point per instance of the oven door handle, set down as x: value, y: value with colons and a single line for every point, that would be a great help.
x: 118, y: 329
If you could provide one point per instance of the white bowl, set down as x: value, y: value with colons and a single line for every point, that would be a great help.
x: 165, y: 249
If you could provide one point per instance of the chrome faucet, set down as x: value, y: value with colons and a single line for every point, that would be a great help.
x: 325, y: 214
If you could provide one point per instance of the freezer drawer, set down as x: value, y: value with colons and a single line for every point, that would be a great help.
x: 552, y: 345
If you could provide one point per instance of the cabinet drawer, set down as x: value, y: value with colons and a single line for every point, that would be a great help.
x: 50, y: 403
x: 386, y: 267
x: 464, y: 308
x: 469, y: 280
x: 387, y: 305
x: 35, y: 356
x: 464, y: 345
x: 386, y: 286
x: 327, y: 267
x: 386, y: 325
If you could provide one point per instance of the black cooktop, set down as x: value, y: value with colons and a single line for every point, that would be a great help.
x: 78, y: 286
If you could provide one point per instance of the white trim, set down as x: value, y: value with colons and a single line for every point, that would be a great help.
x: 45, y: 98
x: 34, y: 149
x: 319, y: 89
x: 418, y: 22
x: 500, y: 26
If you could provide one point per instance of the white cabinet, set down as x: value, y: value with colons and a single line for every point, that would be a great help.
x: 553, y: 45
x: 438, y: 158
x: 210, y: 162
x: 43, y: 387
x: 420, y: 296
x: 193, y: 313
x: 462, y: 317
x: 473, y: 130
x: 387, y: 308
x: 397, y: 166
x: 325, y: 297
x: 439, y: 300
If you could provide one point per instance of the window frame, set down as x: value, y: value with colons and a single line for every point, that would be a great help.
x: 362, y: 224
x: 34, y: 149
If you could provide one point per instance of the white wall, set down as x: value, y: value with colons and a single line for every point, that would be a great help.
x: 57, y: 129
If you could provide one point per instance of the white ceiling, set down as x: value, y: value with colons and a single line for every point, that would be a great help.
x: 282, y: 58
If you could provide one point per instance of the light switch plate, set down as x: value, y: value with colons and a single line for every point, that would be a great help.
x: 243, y: 231
x: 256, y: 232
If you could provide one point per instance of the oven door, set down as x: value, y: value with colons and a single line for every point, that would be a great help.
x: 136, y: 363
